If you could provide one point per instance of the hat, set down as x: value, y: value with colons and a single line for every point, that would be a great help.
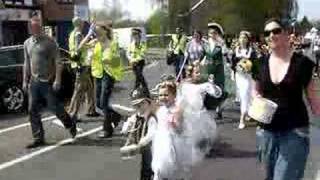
x: 246, y: 33
x: 138, y: 96
x: 136, y: 30
x: 216, y: 27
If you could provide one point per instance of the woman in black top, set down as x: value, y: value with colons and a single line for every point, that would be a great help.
x: 283, y: 145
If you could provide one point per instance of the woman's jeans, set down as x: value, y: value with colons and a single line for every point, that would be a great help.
x: 103, y: 94
x: 283, y: 154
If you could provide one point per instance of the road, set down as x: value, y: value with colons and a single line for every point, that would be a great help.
x: 91, y: 158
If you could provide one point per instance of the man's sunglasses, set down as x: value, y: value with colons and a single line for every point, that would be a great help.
x: 274, y: 31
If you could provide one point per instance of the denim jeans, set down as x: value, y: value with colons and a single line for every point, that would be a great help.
x: 283, y: 154
x: 41, y: 93
x: 103, y: 93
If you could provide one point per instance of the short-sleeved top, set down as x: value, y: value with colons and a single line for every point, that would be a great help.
x: 41, y: 55
x: 288, y: 94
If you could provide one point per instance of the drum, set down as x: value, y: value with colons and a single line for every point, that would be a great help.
x: 262, y: 110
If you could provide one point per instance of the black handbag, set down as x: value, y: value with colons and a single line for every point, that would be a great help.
x: 171, y: 58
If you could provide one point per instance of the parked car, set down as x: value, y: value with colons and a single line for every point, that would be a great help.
x: 12, y: 97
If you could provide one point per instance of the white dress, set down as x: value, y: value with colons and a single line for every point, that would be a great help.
x: 171, y: 152
x: 200, y: 125
x: 244, y: 82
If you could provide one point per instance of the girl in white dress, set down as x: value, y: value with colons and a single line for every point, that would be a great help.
x: 200, y: 124
x: 171, y: 151
x: 244, y: 54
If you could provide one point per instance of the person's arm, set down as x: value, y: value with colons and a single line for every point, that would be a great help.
x: 55, y: 55
x: 26, y: 68
x: 152, y: 127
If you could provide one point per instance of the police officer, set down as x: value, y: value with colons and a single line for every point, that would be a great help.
x: 78, y: 50
x: 177, y: 47
x: 136, y: 55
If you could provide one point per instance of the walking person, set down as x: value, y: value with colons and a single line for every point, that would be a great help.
x: 83, y: 88
x: 42, y: 79
x: 136, y: 55
x: 284, y: 144
x: 140, y: 128
x: 107, y: 69
x: 244, y: 57
x: 177, y: 47
x: 214, y: 59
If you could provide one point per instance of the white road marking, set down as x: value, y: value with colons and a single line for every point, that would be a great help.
x: 57, y: 122
x: 60, y: 124
x: 24, y: 125
x: 47, y: 149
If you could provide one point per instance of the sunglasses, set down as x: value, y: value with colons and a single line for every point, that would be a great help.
x: 274, y: 31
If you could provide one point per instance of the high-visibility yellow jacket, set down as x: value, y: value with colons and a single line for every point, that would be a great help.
x: 107, y: 60
x: 178, y: 45
x: 137, y: 53
x: 73, y: 49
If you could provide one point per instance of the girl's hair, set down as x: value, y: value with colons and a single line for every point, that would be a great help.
x: 108, y: 32
x: 198, y: 32
x: 170, y: 86
x: 191, y: 67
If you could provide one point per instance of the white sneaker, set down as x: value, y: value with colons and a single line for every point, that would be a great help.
x: 241, y: 126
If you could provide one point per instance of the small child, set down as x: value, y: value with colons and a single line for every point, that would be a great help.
x: 140, y: 128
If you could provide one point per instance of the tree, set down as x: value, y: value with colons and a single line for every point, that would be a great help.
x: 305, y: 24
x: 157, y: 22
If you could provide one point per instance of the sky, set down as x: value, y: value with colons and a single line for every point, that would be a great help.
x: 141, y: 9
x: 138, y: 9
x: 310, y: 8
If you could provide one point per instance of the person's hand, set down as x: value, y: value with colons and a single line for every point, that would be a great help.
x: 92, y: 29
x: 25, y: 87
x: 211, y: 78
x: 56, y: 86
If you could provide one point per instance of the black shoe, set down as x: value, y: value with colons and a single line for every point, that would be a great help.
x: 35, y: 144
x: 105, y: 135
x: 73, y: 128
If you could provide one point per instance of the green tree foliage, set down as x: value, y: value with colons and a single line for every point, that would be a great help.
x: 157, y: 23
x: 234, y: 15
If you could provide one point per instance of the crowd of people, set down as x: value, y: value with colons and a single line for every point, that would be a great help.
x: 177, y: 130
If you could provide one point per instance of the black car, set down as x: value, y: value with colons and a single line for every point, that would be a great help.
x: 12, y: 97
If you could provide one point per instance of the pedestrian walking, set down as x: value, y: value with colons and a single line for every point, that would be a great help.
x: 136, y: 55
x: 177, y: 47
x: 83, y: 87
x: 107, y: 69
x: 140, y: 128
x: 42, y: 81
x: 283, y: 145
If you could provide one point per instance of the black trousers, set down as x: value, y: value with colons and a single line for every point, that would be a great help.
x: 138, y: 72
x: 146, y: 172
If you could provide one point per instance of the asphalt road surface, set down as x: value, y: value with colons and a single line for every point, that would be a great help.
x: 91, y: 158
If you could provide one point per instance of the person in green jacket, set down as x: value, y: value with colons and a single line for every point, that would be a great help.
x: 214, y: 57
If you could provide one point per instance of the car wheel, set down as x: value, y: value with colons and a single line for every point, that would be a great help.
x: 13, y: 99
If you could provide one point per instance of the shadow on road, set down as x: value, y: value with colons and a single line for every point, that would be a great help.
x: 116, y: 141
x: 222, y: 149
